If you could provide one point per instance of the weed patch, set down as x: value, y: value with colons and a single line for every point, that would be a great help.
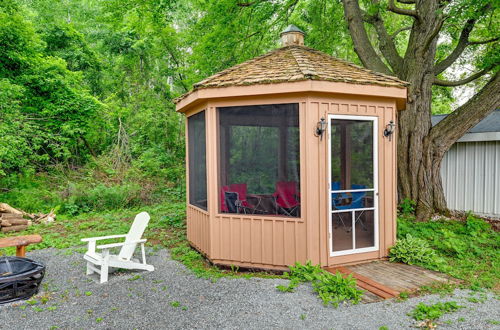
x: 332, y: 289
x: 428, y: 314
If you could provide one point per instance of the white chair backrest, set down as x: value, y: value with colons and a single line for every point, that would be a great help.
x: 135, y: 233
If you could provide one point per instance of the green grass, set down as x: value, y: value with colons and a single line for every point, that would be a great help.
x: 166, y: 229
x: 467, y: 250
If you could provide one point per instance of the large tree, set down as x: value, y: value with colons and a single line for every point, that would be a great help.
x: 433, y: 36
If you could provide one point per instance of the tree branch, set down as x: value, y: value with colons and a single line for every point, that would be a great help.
x: 408, y: 12
x: 456, y: 124
x: 386, y: 43
x: 440, y: 82
x: 435, y: 31
x: 398, y: 31
x: 463, y: 42
x: 362, y: 44
x: 482, y: 42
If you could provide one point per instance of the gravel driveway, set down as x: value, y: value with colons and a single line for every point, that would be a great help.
x: 171, y: 297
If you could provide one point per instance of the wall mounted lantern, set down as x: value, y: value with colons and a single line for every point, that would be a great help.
x: 320, y: 128
x: 389, y: 129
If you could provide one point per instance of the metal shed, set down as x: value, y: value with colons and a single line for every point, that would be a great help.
x: 471, y: 168
x: 291, y: 157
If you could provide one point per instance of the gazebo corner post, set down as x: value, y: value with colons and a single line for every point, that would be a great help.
x: 212, y: 174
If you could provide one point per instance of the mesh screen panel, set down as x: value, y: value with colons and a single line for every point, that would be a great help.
x: 197, y: 160
x: 259, y: 159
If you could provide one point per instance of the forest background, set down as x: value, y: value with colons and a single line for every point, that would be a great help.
x: 87, y: 118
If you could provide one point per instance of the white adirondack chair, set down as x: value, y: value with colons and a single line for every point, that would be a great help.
x: 101, y: 262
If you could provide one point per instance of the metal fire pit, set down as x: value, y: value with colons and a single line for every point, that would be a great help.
x: 20, y: 278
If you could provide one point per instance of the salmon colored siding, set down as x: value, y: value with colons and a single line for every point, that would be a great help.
x: 275, y: 242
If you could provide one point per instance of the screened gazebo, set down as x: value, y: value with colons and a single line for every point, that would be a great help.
x: 291, y: 156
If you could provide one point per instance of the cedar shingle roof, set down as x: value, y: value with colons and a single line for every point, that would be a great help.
x: 295, y: 63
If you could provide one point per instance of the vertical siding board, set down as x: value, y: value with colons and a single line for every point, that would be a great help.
x: 289, y: 243
x: 256, y: 242
x: 236, y: 239
x: 464, y: 151
x: 480, y: 177
x: 279, y: 249
x: 385, y: 185
x: 496, y: 179
x: 300, y: 229
x: 394, y: 195
x: 267, y: 241
x: 225, y: 252
x: 323, y: 191
x: 216, y: 237
x: 312, y: 177
x: 246, y: 243
x: 462, y: 174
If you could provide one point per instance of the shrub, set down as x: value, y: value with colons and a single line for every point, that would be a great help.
x: 412, y: 250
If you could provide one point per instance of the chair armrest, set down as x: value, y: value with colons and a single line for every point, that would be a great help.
x: 112, y: 245
x: 93, y: 239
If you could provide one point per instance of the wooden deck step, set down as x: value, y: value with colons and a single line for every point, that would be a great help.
x: 366, y: 283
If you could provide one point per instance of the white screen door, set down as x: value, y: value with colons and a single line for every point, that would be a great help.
x: 353, y: 191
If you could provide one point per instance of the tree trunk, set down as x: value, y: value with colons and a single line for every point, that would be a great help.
x: 421, y: 147
x: 418, y: 164
x: 418, y: 160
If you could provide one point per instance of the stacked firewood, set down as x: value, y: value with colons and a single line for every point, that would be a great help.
x: 12, y: 219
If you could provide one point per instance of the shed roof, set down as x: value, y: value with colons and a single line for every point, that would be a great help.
x: 295, y: 63
x: 487, y: 129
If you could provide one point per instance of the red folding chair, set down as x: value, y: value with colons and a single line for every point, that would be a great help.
x: 287, y: 197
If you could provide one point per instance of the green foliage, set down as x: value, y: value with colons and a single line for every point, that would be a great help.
x: 407, y: 207
x: 432, y: 312
x: 414, y: 251
x: 332, y: 289
x: 46, y: 116
x: 470, y: 249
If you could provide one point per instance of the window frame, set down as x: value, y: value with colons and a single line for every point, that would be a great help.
x: 279, y: 217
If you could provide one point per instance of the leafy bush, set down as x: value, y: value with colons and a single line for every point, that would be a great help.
x: 413, y: 251
x: 332, y: 289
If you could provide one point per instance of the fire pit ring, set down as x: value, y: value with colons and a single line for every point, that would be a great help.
x: 20, y: 278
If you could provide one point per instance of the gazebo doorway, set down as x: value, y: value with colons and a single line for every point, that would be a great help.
x: 353, y: 191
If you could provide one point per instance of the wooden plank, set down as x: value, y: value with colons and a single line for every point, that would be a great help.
x: 392, y: 276
x: 14, y: 228
x: 369, y: 281
x: 367, y: 284
x: 369, y: 297
x: 429, y: 274
x: 406, y: 280
x: 20, y: 240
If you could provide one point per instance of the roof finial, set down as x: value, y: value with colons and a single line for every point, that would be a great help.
x: 292, y: 35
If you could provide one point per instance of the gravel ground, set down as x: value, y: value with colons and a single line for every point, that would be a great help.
x: 142, y: 300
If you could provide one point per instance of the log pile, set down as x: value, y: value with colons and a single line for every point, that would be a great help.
x: 15, y: 220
